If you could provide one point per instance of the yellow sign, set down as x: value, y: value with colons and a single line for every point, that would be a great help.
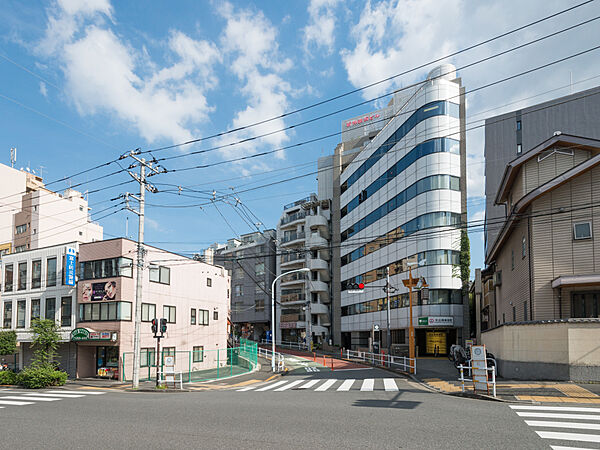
x: 435, y: 339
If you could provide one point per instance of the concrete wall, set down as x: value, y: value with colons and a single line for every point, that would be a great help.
x: 565, y: 350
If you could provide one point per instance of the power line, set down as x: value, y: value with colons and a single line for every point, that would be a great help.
x: 353, y: 91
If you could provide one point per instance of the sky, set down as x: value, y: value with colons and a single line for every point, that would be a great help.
x: 83, y: 82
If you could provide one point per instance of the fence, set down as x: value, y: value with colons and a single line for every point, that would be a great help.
x: 462, y: 378
x: 396, y: 362
x: 197, y: 366
x: 285, y: 344
x: 268, y: 354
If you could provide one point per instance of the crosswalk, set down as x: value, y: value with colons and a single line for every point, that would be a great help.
x: 322, y: 385
x: 12, y: 397
x: 565, y: 427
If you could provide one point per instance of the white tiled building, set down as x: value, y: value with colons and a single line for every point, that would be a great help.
x: 33, y: 285
x: 402, y: 199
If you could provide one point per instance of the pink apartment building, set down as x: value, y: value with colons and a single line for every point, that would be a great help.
x: 193, y: 296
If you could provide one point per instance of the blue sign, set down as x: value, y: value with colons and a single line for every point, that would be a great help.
x: 268, y: 335
x: 70, y: 266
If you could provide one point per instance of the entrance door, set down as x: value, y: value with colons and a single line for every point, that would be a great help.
x: 107, y: 361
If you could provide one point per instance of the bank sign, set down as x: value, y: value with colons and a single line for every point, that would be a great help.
x: 83, y: 334
x: 70, y: 266
x: 436, y: 321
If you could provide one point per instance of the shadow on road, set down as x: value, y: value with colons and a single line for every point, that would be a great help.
x: 393, y: 403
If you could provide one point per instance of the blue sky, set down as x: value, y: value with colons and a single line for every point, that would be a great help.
x: 84, y: 81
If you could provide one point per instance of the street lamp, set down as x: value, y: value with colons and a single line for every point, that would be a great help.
x: 303, y: 270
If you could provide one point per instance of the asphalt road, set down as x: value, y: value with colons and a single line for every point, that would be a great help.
x: 411, y: 418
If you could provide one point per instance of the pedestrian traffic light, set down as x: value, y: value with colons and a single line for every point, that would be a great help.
x: 163, y: 325
x: 356, y: 288
x: 154, y: 325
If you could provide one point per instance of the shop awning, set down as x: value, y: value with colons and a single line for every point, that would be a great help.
x: 576, y: 280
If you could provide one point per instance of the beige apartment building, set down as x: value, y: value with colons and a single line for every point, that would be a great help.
x: 541, y: 290
x: 192, y: 296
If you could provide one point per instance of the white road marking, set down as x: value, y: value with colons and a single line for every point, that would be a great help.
x: 555, y: 408
x: 574, y: 425
x: 248, y: 388
x: 309, y: 384
x: 271, y: 386
x: 569, y: 436
x: 560, y: 447
x: 559, y: 416
x: 346, y: 385
x: 22, y: 397
x: 77, y: 392
x: 367, y: 384
x: 14, y: 403
x: 389, y: 384
x: 325, y: 385
x: 54, y: 395
x: 289, y: 385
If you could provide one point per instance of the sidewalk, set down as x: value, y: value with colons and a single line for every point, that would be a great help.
x: 441, y: 375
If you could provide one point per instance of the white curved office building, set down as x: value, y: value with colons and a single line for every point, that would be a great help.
x: 400, y: 200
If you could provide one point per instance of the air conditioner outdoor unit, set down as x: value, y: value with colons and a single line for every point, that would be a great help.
x: 498, y: 278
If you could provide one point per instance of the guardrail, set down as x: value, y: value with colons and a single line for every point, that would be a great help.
x: 404, y: 363
x: 286, y: 344
x: 462, y: 378
x: 268, y: 354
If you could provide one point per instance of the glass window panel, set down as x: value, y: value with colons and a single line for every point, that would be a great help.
x: 125, y: 311
x: 104, y: 311
x: 21, y: 305
x: 8, y: 278
x: 154, y: 274
x: 50, y: 312
x: 22, y: 276
x: 35, y: 308
x: 165, y: 275
x: 51, y: 272
x: 95, y: 311
x: 112, y: 311
x: 36, y: 274
x: 65, y: 311
x: 7, y: 323
x: 87, y: 311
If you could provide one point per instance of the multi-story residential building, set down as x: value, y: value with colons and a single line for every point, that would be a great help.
x: 32, y: 216
x: 399, y: 198
x: 304, y: 299
x: 545, y: 319
x: 509, y: 135
x: 34, y: 286
x: 191, y: 295
x: 250, y: 261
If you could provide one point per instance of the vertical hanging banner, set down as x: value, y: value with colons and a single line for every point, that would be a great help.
x: 70, y: 256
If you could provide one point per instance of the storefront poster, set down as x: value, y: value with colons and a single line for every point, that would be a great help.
x: 102, y: 291
x: 70, y: 266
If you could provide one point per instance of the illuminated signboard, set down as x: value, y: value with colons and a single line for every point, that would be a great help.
x: 362, y: 120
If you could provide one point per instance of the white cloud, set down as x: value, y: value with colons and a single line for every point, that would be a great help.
x: 43, y: 89
x: 102, y: 73
x: 321, y: 25
x: 249, y: 40
x: 394, y: 36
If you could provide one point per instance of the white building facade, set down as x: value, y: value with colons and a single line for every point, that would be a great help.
x: 402, y: 199
x: 304, y: 299
x: 34, y: 286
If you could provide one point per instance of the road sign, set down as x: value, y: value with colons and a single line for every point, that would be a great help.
x: 423, y: 320
x: 479, y: 368
x: 376, y: 327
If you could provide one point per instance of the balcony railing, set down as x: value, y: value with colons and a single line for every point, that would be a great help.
x: 310, y: 198
x: 293, y: 217
x: 292, y: 257
x: 293, y: 277
x: 293, y: 318
x: 293, y: 237
x: 293, y: 298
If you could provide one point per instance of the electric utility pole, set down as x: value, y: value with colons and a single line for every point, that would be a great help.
x: 144, y: 186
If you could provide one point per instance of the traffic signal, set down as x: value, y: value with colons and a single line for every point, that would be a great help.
x: 154, y: 325
x: 356, y: 288
x: 163, y: 325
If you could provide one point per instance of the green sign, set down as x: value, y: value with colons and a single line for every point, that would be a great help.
x: 80, y: 334
x: 423, y: 320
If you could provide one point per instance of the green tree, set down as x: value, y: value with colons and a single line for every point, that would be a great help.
x: 462, y: 270
x: 45, y: 342
x: 8, y: 342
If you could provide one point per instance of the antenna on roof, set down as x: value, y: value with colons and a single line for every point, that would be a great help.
x: 13, y: 157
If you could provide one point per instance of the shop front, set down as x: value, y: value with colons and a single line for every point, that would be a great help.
x: 97, y: 353
x: 435, y: 335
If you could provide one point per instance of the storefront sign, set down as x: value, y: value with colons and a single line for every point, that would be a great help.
x: 436, y: 321
x: 104, y: 291
x: 70, y: 266
x: 361, y: 120
x: 288, y: 324
x: 83, y: 334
